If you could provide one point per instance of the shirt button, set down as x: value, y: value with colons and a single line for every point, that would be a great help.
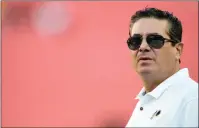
x: 141, y: 108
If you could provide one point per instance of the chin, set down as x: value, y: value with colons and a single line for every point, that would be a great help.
x: 144, y: 70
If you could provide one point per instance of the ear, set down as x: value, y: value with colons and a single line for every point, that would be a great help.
x: 179, y: 50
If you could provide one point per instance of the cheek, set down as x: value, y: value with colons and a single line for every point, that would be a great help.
x: 165, y: 58
x: 133, y: 56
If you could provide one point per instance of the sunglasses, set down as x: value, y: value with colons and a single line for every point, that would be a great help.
x: 153, y: 40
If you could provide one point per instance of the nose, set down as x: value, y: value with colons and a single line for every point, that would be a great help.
x: 144, y: 47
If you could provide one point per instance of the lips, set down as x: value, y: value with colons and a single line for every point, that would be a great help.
x: 144, y: 58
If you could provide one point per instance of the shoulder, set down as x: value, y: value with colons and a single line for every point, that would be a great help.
x: 183, y: 91
x: 189, y: 115
x: 188, y: 91
x: 190, y: 87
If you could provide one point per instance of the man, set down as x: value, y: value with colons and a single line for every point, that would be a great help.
x: 169, y: 97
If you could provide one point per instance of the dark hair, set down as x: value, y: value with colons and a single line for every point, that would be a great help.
x: 175, y: 26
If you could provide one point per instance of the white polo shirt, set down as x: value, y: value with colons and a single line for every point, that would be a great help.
x: 173, y: 103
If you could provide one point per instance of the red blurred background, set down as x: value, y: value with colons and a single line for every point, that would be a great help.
x: 67, y: 63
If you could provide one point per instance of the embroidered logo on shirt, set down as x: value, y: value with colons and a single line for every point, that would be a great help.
x: 156, y: 113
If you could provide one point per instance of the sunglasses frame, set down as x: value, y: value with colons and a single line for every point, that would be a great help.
x: 147, y: 40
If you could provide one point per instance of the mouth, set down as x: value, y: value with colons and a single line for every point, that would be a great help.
x: 144, y: 59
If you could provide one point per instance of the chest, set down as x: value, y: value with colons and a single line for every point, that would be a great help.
x: 149, y: 112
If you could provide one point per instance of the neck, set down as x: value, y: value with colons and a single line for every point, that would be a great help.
x: 152, y: 80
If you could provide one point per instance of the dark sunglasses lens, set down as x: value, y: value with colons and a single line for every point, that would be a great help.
x: 134, y: 42
x: 155, y: 41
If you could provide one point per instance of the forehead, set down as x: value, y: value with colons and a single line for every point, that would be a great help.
x: 150, y: 25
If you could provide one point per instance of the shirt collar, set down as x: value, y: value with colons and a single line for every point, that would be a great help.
x: 158, y: 91
x: 141, y: 94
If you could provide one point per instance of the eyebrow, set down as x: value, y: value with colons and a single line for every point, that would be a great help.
x: 138, y: 34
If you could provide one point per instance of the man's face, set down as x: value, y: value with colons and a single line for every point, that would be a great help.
x: 161, y: 60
